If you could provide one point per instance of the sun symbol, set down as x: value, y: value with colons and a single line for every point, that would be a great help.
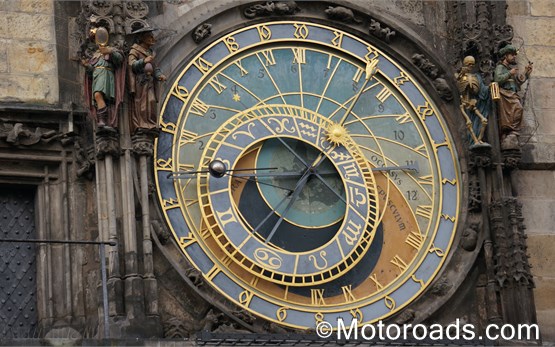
x: 337, y: 134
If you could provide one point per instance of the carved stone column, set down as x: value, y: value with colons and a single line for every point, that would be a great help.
x: 143, y: 149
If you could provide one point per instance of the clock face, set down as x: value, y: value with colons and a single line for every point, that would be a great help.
x: 337, y: 193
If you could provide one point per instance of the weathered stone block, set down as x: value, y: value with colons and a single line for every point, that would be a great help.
x: 518, y: 8
x: 25, y: 26
x: 542, y: 56
x: 543, y: 92
x: 36, y: 89
x: 545, y: 322
x: 539, y: 154
x: 542, y: 8
x: 3, y: 57
x: 543, y: 294
x: 4, y: 25
x: 542, y: 258
x: 32, y: 57
x: 36, y: 6
x: 535, y: 30
x: 536, y: 184
x: 538, y: 214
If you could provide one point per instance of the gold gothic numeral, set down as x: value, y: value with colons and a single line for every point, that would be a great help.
x: 199, y: 108
x: 389, y: 302
x: 203, y: 65
x: 452, y: 182
x: 317, y: 297
x: 299, y: 55
x: 371, y: 55
x: 231, y: 44
x: 164, y: 164
x: 337, y: 39
x: 448, y: 217
x: 424, y: 211
x: 425, y: 111
x: 180, y: 92
x: 438, y: 251
x: 399, y: 262
x: 357, y: 314
x: 170, y: 203
x: 301, y: 31
x: 245, y: 297
x: 281, y: 313
x: 168, y: 127
x: 348, y: 293
x: 264, y: 32
x: 417, y: 280
x: 415, y: 239
x: 400, y: 80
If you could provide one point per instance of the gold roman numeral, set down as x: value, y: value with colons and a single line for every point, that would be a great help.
x: 215, y: 83
x: 383, y: 94
x: 269, y: 57
x: 299, y: 55
x: 424, y: 211
x: 404, y: 118
x: 348, y: 293
x: 199, y: 108
x: 241, y: 68
x: 317, y: 297
x: 374, y: 279
x: 399, y: 262
x: 415, y: 239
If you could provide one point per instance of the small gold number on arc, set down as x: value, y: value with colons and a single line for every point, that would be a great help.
x: 186, y: 241
x: 170, y: 203
x: 337, y: 39
x: 281, y: 314
x: 264, y: 32
x: 168, y: 127
x: 203, y: 65
x: 357, y: 314
x: 425, y: 111
x: 245, y: 297
x: 231, y: 44
x: 317, y: 297
x: 400, y: 80
x: 301, y: 31
x: 389, y: 302
x: 180, y: 92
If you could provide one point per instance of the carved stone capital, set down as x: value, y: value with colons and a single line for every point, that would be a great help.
x: 511, y: 158
x: 143, y: 142
x: 480, y: 155
x: 107, y: 142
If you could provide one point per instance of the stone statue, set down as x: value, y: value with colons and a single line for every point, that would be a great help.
x: 104, y: 80
x: 474, y: 95
x: 143, y: 77
x: 510, y: 108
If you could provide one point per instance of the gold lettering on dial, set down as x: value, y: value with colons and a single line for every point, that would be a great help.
x: 299, y: 55
x: 404, y: 118
x: 264, y: 32
x: 424, y: 211
x: 337, y: 39
x: 384, y: 94
x: 180, y: 92
x: 226, y: 217
x: 268, y: 258
x: 199, y: 108
x: 269, y: 57
x: 356, y: 197
x: 241, y: 68
x: 281, y: 313
x: 389, y: 302
x: 231, y: 44
x: 374, y: 279
x: 203, y: 65
x: 245, y: 297
x: 315, y: 261
x: 215, y: 83
x: 357, y: 314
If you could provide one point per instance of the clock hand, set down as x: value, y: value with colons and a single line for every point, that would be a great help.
x: 371, y: 68
x: 298, y: 188
x: 216, y: 168
x: 259, y: 182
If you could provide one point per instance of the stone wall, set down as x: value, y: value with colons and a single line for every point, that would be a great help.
x: 534, y: 24
x: 28, y: 69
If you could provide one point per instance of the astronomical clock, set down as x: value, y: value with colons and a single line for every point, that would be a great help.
x: 306, y: 174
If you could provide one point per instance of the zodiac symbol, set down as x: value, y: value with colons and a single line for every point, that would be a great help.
x: 268, y: 258
x: 313, y: 259
x: 282, y: 125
